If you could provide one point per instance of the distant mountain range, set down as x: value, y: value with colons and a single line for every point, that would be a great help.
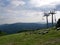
x: 14, y: 28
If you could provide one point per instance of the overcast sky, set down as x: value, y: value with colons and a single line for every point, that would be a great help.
x: 28, y: 11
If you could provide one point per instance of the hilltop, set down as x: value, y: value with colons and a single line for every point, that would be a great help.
x: 52, y: 37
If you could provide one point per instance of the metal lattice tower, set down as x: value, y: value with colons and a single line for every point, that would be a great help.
x: 52, y: 13
x: 46, y: 15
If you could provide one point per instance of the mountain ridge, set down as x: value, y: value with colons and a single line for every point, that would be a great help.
x: 13, y: 28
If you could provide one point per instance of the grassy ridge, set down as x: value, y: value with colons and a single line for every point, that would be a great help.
x: 28, y: 38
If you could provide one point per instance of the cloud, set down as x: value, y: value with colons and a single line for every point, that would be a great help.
x: 11, y: 3
x: 58, y: 7
x: 38, y: 3
x: 21, y: 16
x: 44, y: 5
x: 12, y: 11
x: 17, y: 3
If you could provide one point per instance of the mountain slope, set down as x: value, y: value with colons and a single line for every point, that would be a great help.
x: 32, y: 38
x: 14, y: 28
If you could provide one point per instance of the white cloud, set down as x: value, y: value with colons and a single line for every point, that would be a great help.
x: 38, y: 3
x: 57, y: 15
x: 17, y: 3
x: 13, y: 16
x: 12, y: 13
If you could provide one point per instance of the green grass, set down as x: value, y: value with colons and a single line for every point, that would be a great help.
x: 25, y: 38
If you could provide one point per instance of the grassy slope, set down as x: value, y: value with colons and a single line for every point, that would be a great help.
x: 25, y: 38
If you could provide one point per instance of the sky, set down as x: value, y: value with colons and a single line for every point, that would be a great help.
x: 27, y: 11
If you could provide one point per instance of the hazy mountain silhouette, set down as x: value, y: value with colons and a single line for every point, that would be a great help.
x: 13, y: 28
